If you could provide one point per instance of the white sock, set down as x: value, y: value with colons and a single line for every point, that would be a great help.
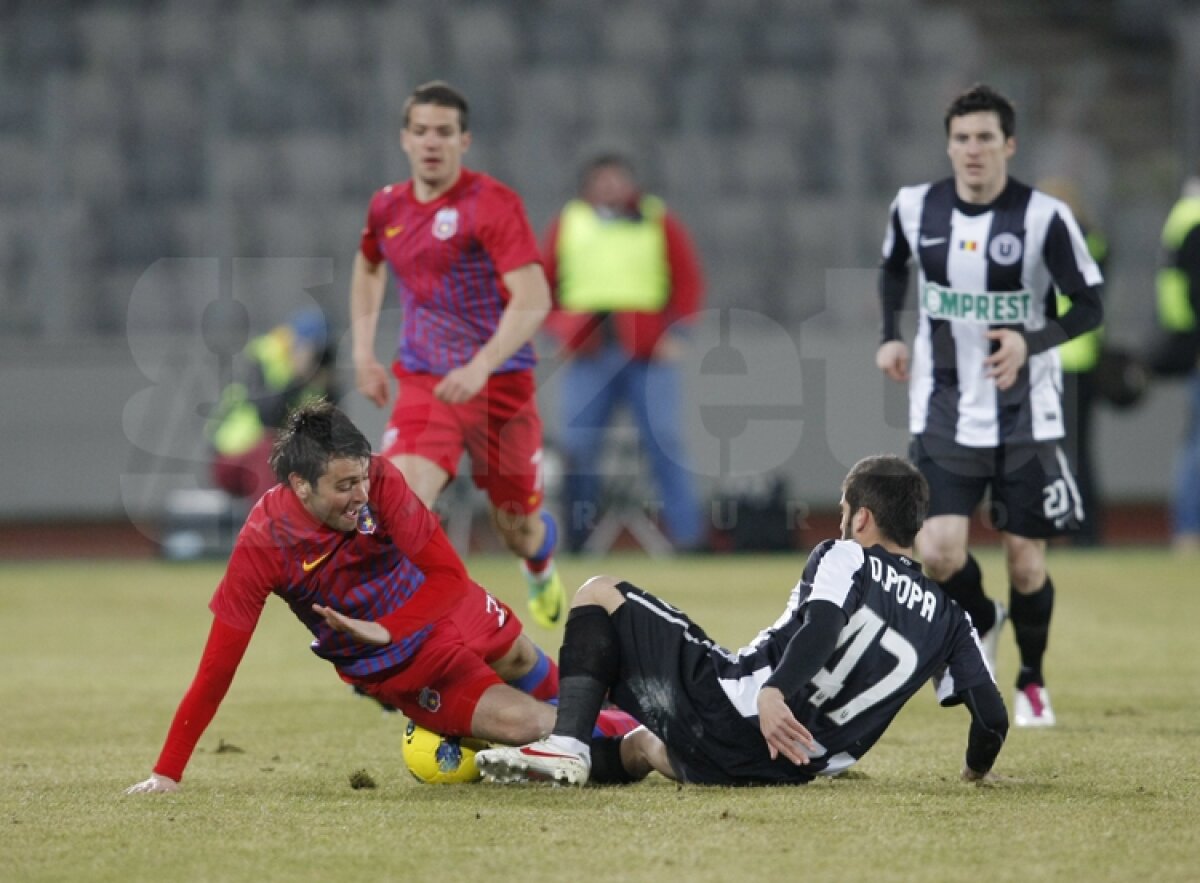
x: 571, y: 745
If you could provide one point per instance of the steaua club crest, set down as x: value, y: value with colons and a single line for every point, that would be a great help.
x: 429, y: 699
x: 445, y: 223
x: 366, y: 521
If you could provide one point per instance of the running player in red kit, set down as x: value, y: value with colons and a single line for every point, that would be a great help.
x: 366, y: 567
x: 469, y: 276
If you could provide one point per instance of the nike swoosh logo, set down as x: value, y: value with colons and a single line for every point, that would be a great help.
x: 533, y: 752
x: 926, y: 241
x: 309, y: 566
x: 393, y: 231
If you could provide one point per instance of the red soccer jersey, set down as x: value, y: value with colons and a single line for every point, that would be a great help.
x: 397, y: 568
x: 448, y: 256
x: 368, y: 573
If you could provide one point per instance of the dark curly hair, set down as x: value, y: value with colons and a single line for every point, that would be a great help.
x: 894, y: 491
x: 314, y: 433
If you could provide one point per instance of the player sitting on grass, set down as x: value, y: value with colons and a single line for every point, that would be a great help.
x: 368, y: 570
x: 861, y: 633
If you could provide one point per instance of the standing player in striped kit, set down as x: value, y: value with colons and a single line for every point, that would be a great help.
x: 985, y: 378
x: 470, y: 278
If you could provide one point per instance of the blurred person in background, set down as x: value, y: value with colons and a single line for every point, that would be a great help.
x: 471, y: 283
x: 1177, y: 351
x: 289, y: 364
x: 627, y: 283
x: 1080, y: 357
x: 984, y: 406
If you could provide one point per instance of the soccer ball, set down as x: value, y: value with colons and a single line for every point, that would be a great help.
x: 440, y: 760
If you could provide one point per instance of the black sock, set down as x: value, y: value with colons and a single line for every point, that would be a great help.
x: 587, y: 667
x: 966, y: 587
x: 1031, y: 623
x: 607, y: 768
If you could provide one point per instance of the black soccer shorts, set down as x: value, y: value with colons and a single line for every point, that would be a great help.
x: 668, y: 680
x: 1033, y: 492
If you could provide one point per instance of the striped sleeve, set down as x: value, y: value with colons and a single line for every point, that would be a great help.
x: 837, y: 572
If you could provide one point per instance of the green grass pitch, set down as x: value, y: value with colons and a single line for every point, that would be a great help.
x: 95, y: 657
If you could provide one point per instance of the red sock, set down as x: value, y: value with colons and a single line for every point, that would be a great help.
x: 615, y: 722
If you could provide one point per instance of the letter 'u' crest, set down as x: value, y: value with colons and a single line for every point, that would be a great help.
x: 1005, y: 249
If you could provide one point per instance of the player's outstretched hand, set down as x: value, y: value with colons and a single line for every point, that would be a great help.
x: 372, y: 380
x: 156, y: 784
x: 783, y: 733
x: 361, y: 630
x: 892, y: 359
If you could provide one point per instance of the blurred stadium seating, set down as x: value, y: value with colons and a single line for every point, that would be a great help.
x: 136, y: 130
x: 135, y: 113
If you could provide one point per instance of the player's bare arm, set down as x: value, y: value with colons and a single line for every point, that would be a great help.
x: 363, y: 631
x: 527, y: 308
x: 783, y: 733
x: 1005, y: 363
x: 368, y: 283
x: 892, y: 359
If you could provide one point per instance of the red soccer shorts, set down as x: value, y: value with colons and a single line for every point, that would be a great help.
x: 441, y: 685
x: 500, y: 430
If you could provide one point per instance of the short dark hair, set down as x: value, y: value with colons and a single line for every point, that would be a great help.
x: 609, y: 160
x: 981, y: 98
x: 314, y: 433
x: 441, y: 94
x: 895, y: 492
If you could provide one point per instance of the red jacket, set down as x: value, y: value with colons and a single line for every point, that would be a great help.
x: 637, y: 332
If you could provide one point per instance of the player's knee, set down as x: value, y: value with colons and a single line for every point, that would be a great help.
x: 521, y: 723
x: 1026, y: 563
x: 642, y: 753
x: 519, y: 541
x: 600, y: 590
x: 941, y: 562
x: 1027, y: 574
x: 518, y: 661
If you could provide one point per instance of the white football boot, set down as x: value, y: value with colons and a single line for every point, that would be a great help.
x: 542, y: 761
x: 1031, y: 707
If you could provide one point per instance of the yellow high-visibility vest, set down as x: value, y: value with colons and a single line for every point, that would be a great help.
x: 610, y: 265
x: 1175, y: 311
x: 238, y: 428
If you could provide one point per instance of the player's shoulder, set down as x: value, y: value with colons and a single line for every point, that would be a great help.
x: 391, y: 193
x: 267, y: 526
x: 845, y: 554
x: 1041, y: 201
x: 490, y: 188
x: 918, y: 192
x: 382, y: 470
x: 390, y: 491
x: 911, y: 199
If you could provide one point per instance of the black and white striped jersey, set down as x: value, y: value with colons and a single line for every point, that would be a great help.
x: 983, y: 267
x: 902, y: 630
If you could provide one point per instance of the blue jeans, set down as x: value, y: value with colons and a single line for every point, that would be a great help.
x: 1185, y: 500
x: 593, y: 386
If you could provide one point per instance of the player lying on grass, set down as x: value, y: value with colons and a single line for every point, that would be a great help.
x: 366, y: 567
x: 861, y: 633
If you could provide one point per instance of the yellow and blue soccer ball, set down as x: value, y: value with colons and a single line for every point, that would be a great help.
x: 440, y: 760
